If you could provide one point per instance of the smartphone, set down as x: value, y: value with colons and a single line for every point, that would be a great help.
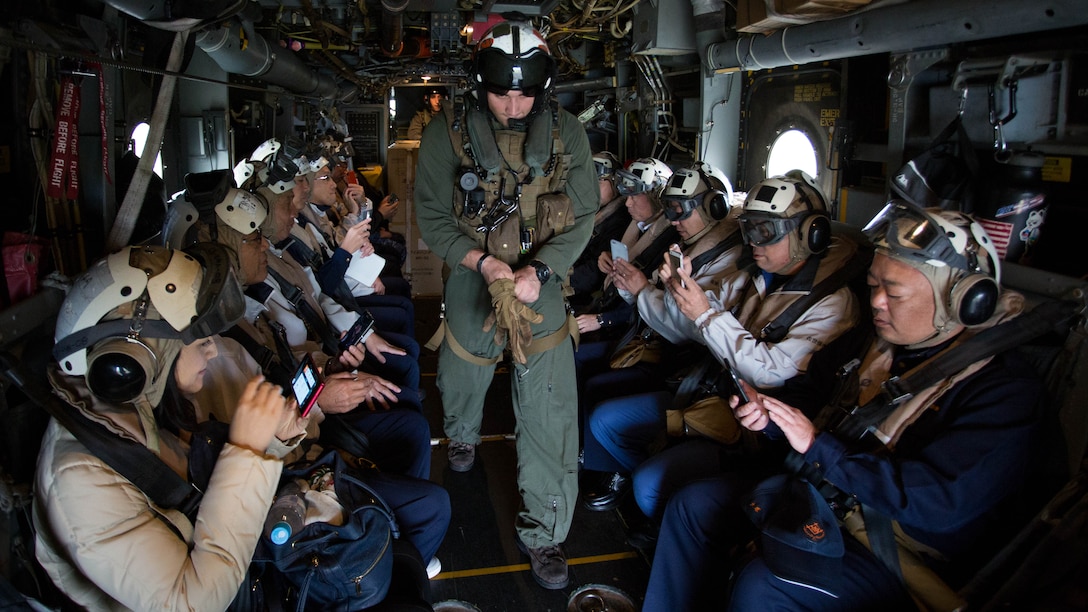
x: 350, y: 177
x: 393, y: 199
x: 736, y: 383
x: 619, y: 250
x: 676, y: 261
x: 358, y: 331
x: 365, y: 212
x: 306, y: 385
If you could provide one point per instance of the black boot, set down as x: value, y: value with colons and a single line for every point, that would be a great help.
x: 606, y: 492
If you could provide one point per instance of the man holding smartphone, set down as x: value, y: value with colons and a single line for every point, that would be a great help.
x: 790, y: 253
x: 696, y: 204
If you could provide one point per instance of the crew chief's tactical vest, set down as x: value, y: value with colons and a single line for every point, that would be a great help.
x: 528, y: 169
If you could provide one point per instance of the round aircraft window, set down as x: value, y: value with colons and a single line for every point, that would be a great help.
x: 139, y: 138
x: 792, y: 149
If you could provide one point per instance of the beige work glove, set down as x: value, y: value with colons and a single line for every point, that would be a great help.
x: 513, y: 317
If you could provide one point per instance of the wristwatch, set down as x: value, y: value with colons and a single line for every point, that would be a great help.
x: 543, y: 272
x: 600, y: 320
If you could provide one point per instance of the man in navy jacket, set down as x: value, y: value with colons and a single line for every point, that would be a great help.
x: 941, y: 465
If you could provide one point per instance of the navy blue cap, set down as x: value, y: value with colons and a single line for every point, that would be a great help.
x: 801, y: 540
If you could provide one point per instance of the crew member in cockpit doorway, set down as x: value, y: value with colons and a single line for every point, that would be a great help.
x: 432, y: 105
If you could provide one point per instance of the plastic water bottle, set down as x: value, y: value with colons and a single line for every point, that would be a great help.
x: 287, y: 514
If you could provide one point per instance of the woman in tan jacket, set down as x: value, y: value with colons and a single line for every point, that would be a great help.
x: 132, y: 339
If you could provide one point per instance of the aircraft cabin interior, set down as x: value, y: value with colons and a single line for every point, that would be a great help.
x: 118, y: 113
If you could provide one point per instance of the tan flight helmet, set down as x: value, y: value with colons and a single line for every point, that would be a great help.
x: 790, y: 205
x: 954, y: 253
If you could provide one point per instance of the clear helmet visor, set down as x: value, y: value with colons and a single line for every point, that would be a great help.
x: 914, y: 235
x: 604, y: 170
x: 628, y: 184
x: 765, y: 230
x: 678, y: 209
x: 221, y: 301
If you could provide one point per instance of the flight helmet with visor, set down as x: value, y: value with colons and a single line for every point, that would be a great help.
x: 701, y: 188
x: 125, y: 319
x: 952, y: 250
x: 513, y: 55
x: 785, y: 206
x: 605, y: 163
x: 646, y: 175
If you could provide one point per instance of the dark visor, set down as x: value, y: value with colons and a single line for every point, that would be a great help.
x: 911, y: 233
x: 765, y: 230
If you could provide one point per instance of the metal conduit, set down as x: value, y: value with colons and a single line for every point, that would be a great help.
x: 278, y: 67
x: 585, y: 84
x: 897, y: 28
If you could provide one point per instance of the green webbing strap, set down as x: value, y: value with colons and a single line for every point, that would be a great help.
x: 538, y: 345
x: 878, y: 527
x: 552, y: 340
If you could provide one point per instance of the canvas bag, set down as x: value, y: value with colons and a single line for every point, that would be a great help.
x: 943, y: 175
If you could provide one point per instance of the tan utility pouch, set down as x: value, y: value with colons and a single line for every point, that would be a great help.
x: 710, y: 417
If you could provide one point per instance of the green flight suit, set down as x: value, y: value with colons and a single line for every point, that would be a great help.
x: 543, y: 390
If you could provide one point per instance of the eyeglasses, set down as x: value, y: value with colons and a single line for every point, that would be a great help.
x: 324, y: 177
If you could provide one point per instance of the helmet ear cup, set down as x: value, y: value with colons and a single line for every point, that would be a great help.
x: 716, y: 204
x: 816, y: 232
x: 973, y: 299
x: 120, y: 370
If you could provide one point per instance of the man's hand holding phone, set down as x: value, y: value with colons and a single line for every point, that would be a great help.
x: 352, y: 352
x: 675, y: 261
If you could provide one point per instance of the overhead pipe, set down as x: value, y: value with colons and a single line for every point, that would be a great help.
x: 262, y: 60
x: 709, y: 18
x: 393, y: 26
x: 585, y: 85
x: 894, y: 28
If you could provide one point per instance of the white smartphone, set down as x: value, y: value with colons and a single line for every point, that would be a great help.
x: 676, y: 261
x: 619, y: 250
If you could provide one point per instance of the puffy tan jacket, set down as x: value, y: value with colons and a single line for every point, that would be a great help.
x: 735, y: 337
x: 108, y: 547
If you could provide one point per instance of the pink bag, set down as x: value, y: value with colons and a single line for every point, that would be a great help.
x: 22, y: 258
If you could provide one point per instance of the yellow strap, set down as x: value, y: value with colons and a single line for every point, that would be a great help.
x: 540, y: 345
x: 547, y: 343
x: 443, y: 333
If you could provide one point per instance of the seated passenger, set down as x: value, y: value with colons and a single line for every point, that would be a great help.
x: 786, y: 227
x: 609, y: 316
x: 396, y: 440
x: 609, y: 224
x: 307, y: 322
x: 344, y: 239
x: 99, y: 537
x: 939, y: 467
x: 391, y: 246
x: 697, y: 203
x: 647, y: 236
